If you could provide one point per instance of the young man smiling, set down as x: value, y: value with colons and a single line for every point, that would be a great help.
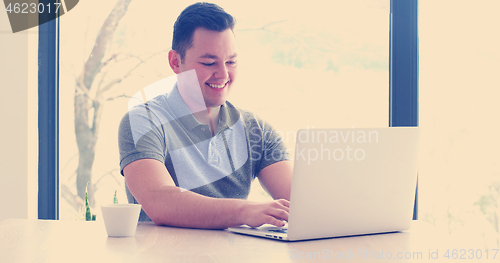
x: 193, y: 139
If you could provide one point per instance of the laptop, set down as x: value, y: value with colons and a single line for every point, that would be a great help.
x: 349, y: 182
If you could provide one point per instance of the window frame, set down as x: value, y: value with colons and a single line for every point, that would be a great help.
x: 403, y: 68
x: 48, y: 112
x: 403, y: 93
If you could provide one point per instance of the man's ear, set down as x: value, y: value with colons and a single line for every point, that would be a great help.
x: 174, y: 59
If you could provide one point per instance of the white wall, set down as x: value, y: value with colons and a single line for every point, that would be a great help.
x: 18, y: 158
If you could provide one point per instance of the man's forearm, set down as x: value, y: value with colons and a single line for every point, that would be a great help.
x: 166, y: 204
x: 187, y: 209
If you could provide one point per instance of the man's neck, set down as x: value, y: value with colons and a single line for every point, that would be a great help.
x: 211, y: 114
x: 205, y: 115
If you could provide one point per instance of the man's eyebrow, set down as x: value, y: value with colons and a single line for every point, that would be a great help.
x: 215, y: 57
x: 209, y: 56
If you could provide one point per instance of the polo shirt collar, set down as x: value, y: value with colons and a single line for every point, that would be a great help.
x: 228, y: 116
x: 181, y: 110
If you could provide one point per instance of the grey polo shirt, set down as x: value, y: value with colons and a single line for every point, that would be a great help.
x: 221, y: 166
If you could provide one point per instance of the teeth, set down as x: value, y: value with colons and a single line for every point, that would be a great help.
x: 216, y: 86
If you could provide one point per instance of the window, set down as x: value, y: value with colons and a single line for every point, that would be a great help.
x: 459, y: 185
x: 330, y: 61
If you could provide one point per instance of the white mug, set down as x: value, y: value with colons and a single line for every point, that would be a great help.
x: 121, y: 219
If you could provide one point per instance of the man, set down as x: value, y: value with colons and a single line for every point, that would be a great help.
x: 193, y: 139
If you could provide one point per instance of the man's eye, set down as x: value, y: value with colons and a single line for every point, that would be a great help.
x: 231, y: 62
x: 208, y: 64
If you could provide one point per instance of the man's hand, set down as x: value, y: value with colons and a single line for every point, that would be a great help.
x: 257, y: 214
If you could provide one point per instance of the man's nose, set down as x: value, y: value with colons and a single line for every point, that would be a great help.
x: 222, y: 72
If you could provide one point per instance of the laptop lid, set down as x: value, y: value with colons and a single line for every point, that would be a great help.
x: 352, y: 181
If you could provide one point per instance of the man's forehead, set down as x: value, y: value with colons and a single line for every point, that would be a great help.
x: 212, y: 44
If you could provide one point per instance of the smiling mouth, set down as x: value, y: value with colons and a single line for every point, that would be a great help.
x: 215, y: 86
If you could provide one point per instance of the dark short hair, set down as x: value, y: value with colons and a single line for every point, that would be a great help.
x: 207, y: 15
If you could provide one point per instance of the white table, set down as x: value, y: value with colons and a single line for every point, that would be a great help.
x: 73, y: 241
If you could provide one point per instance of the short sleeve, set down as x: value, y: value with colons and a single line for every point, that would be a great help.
x: 140, y: 137
x: 273, y: 147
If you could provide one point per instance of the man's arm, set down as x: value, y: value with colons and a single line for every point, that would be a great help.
x: 276, y: 179
x: 152, y: 186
